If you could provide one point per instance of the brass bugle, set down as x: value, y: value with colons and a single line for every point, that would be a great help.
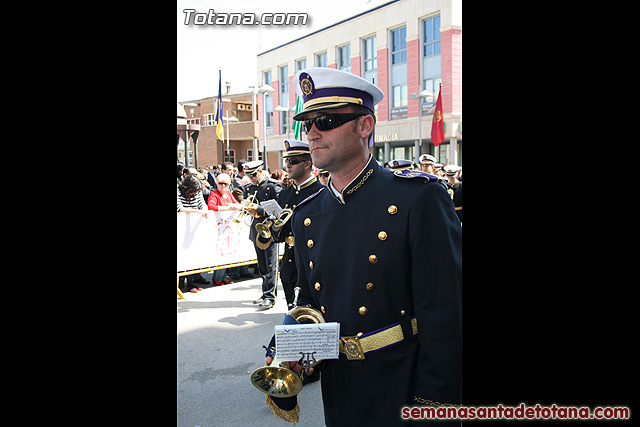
x: 263, y: 228
x: 282, y: 218
x: 239, y: 219
x: 277, y: 379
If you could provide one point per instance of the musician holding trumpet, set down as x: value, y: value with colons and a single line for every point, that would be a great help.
x: 263, y: 189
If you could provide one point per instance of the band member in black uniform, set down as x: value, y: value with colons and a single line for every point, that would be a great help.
x: 399, y: 165
x: 298, y: 166
x: 428, y: 164
x: 455, y: 187
x: 266, y: 253
x: 380, y: 253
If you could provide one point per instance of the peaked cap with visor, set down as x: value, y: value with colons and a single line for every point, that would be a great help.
x: 324, y: 88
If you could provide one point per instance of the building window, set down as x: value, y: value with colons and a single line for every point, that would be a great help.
x: 344, y: 58
x: 370, y: 54
x: 283, y: 74
x: 431, y: 62
x: 266, y: 75
x: 431, y: 36
x: 301, y: 64
x: 399, y: 46
x: 321, y: 59
x: 208, y: 120
x: 250, y: 155
x: 232, y: 156
x: 399, y: 97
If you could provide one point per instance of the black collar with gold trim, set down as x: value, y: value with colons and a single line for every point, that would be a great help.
x: 370, y: 169
x: 306, y: 184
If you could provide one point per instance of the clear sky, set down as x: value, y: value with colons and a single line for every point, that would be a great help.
x: 201, y: 49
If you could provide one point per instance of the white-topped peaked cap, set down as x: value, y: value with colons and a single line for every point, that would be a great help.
x: 253, y: 166
x: 293, y: 147
x: 400, y: 164
x: 322, y: 88
x: 451, y: 170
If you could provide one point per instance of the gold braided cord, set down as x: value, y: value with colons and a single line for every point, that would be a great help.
x: 292, y: 416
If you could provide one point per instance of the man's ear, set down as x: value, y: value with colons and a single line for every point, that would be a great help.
x: 365, y: 127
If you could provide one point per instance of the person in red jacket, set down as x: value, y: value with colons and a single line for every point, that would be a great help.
x: 221, y: 199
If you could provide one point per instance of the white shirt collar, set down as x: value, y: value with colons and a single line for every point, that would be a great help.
x: 303, y: 183
x: 336, y: 192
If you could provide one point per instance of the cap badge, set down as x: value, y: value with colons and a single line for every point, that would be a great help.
x: 306, y: 84
x: 286, y: 145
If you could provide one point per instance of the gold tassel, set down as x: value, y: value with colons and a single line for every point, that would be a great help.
x: 292, y: 416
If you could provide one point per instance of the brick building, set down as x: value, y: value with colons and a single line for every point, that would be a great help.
x: 211, y: 150
x: 404, y: 47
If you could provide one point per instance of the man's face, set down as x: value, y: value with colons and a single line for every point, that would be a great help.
x: 297, y: 171
x: 256, y: 178
x: 427, y: 168
x: 331, y: 149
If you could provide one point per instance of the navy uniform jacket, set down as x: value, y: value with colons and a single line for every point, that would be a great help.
x: 290, y: 197
x: 390, y: 252
x: 267, y: 189
x: 457, y: 197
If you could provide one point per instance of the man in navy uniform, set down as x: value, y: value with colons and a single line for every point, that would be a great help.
x: 298, y: 167
x: 455, y: 187
x: 380, y: 253
x: 265, y: 189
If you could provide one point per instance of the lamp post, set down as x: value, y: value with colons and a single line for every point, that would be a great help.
x: 264, y: 90
x: 287, y: 110
x: 424, y: 94
x: 229, y: 119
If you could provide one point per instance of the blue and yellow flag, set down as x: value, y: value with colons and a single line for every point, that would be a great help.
x: 219, y: 119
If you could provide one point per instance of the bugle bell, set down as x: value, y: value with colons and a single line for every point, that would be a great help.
x: 277, y: 379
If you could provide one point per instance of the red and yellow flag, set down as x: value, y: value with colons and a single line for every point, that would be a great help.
x: 437, y: 126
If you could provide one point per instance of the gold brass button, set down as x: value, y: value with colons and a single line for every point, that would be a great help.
x: 359, y: 334
x: 369, y: 286
x: 402, y: 312
x: 373, y: 259
x: 311, y: 265
x: 310, y: 243
x: 392, y: 209
x: 307, y: 222
x: 363, y: 310
x: 323, y: 310
x: 382, y: 236
x: 317, y: 286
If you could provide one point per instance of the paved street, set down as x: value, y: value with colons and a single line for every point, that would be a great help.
x: 220, y: 339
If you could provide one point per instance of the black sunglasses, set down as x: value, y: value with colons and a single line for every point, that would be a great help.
x: 329, y: 121
x: 294, y: 161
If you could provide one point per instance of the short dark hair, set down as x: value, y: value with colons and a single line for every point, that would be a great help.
x: 359, y: 109
x: 190, y: 185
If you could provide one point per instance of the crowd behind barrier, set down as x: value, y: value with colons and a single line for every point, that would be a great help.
x: 208, y: 199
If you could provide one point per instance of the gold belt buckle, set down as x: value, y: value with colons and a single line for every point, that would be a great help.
x: 352, y: 348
